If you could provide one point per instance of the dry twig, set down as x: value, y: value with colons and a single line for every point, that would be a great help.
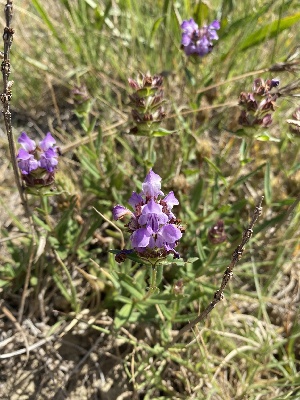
x: 6, y: 98
x: 236, y: 256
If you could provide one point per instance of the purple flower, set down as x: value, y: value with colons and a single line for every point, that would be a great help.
x: 48, y: 142
x: 154, y: 229
x: 37, y: 163
x: 151, y: 186
x: 48, y: 160
x: 152, y: 216
x: 26, y: 162
x: 120, y: 211
x: 197, y: 40
x: 27, y: 144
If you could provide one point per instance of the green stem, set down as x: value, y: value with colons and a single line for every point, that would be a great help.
x: 45, y: 209
x: 150, y: 156
x: 153, y: 288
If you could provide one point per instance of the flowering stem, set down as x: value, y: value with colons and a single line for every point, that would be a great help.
x: 45, y: 209
x: 153, y: 286
x: 151, y: 155
x: 153, y: 278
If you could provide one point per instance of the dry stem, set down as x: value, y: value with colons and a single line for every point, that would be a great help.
x: 236, y: 256
x: 6, y: 98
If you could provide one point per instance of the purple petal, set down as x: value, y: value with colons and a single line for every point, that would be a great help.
x: 152, y: 207
x: 171, y: 200
x: 135, y: 199
x: 48, y: 160
x: 26, y: 142
x: 120, y: 212
x: 190, y: 49
x: 153, y: 216
x: 186, y: 39
x: 151, y: 186
x: 214, y: 25
x: 213, y: 35
x: 274, y: 83
x: 26, y: 162
x: 141, y: 237
x: 170, y: 233
x: 47, y: 142
x: 189, y: 26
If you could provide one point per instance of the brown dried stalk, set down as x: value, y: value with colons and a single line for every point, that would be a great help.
x: 236, y: 256
x: 6, y: 98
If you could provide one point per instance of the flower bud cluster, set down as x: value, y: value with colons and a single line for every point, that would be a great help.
x: 198, y: 41
x: 37, y: 163
x: 217, y: 234
x: 295, y: 123
x: 81, y: 100
x: 154, y: 229
x: 258, y: 106
x: 147, y: 101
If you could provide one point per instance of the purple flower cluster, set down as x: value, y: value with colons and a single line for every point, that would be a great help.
x: 154, y: 229
x: 259, y: 104
x: 197, y: 40
x: 37, y: 163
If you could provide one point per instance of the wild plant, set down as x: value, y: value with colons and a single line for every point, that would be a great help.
x: 147, y: 171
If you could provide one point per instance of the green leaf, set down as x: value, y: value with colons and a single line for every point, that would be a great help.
x: 131, y: 286
x: 163, y: 298
x: 59, y: 283
x: 123, y: 315
x: 155, y: 27
x: 267, y: 184
x: 89, y: 162
x: 44, y: 15
x: 246, y: 177
x: 3, y: 283
x: 269, y: 31
x: 161, y: 132
x: 36, y: 63
x: 196, y: 194
x: 217, y: 170
x: 265, y: 137
x: 91, y: 3
x: 242, y: 133
x: 39, y: 222
x: 190, y: 77
x: 201, y: 252
x: 201, y: 13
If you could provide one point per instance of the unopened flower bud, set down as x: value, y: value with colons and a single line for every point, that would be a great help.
x: 147, y: 101
x: 216, y: 234
x: 258, y: 105
x: 178, y: 287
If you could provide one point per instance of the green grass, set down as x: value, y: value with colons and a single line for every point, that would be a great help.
x: 249, y: 346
